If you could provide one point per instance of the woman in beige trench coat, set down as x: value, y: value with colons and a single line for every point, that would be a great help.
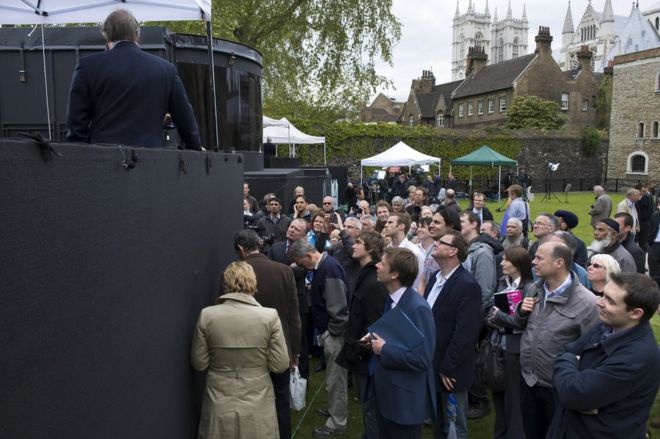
x: 239, y: 342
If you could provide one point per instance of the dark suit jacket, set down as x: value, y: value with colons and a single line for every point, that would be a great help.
x: 403, y: 379
x: 457, y: 314
x: 121, y: 96
x: 276, y: 288
x: 278, y: 253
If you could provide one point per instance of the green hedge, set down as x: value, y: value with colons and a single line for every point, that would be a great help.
x: 348, y: 143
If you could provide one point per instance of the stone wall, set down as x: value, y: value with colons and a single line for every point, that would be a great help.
x: 635, y: 100
x: 581, y: 171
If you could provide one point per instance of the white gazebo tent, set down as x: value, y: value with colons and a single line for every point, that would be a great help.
x: 40, y: 12
x: 284, y: 132
x: 399, y: 155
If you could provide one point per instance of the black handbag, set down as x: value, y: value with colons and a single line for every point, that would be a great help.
x: 490, y: 362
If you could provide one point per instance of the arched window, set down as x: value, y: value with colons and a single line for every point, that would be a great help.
x: 657, y: 23
x: 500, y: 50
x: 478, y: 38
x: 515, y: 48
x: 411, y: 120
x: 657, y: 82
x: 440, y: 120
x: 640, y: 130
x: 461, y: 46
x: 638, y: 163
x: 655, y: 129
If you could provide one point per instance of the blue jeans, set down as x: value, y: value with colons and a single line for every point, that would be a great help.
x: 441, y: 425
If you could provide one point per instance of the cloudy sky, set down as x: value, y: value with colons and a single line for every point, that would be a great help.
x: 426, y: 32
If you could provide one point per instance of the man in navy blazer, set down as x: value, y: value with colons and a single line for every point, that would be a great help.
x: 403, y: 381
x: 121, y: 96
x: 455, y: 299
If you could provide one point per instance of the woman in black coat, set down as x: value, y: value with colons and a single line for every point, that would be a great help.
x: 517, y: 269
x: 367, y: 305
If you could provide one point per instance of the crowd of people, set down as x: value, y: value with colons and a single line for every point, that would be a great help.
x: 569, y: 319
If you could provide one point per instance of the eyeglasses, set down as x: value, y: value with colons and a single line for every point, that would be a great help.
x: 326, y: 203
x: 595, y: 265
x: 537, y: 223
x: 441, y: 242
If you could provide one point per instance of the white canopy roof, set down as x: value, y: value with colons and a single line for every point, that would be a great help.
x: 285, y: 132
x: 399, y: 155
x: 269, y: 122
x: 95, y: 11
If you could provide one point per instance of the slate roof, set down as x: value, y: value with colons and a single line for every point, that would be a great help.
x: 494, y: 77
x: 428, y: 101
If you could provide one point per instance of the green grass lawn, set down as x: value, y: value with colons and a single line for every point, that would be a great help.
x: 578, y: 203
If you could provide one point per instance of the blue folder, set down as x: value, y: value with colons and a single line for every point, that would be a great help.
x: 396, y: 328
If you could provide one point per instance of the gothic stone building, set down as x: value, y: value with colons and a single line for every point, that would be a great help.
x: 634, y: 151
x: 500, y: 39
x: 608, y: 35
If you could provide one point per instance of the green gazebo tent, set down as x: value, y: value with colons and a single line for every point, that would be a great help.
x: 485, y: 156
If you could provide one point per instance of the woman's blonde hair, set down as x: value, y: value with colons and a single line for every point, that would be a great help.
x: 607, y: 261
x: 239, y: 277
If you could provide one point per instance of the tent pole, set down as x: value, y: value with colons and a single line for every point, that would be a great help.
x: 209, y: 38
x: 360, y: 174
x: 470, y: 178
x: 325, y: 157
x: 499, y: 185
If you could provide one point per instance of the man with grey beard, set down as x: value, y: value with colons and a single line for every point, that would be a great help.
x: 606, y: 240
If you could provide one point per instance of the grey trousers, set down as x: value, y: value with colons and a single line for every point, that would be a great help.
x: 335, y: 383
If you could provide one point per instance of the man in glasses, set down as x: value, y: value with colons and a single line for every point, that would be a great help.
x: 543, y: 226
x: 455, y: 299
x: 331, y: 216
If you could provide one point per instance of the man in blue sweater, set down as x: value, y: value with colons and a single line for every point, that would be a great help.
x: 329, y: 308
x: 606, y: 381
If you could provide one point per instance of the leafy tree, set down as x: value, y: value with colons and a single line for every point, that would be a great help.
x: 318, y: 54
x: 534, y: 112
x: 591, y: 140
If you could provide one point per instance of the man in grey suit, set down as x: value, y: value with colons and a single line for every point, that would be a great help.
x: 602, y: 207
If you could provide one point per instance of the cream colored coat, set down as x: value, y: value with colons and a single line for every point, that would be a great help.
x: 239, y: 342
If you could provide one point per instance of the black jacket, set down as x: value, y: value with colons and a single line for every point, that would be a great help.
x: 367, y: 306
x: 618, y: 376
x: 457, y: 315
x: 121, y: 96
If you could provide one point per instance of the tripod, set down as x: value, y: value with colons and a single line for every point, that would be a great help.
x: 548, y: 188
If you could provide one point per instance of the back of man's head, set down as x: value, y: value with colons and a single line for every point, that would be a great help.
x: 248, y: 240
x: 120, y: 25
x: 565, y: 238
x: 299, y: 249
x: 641, y: 292
x: 404, y: 262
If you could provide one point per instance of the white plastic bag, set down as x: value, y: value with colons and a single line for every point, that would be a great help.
x: 297, y: 389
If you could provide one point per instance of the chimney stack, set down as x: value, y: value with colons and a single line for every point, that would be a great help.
x: 476, y: 60
x: 544, y: 41
x: 584, y: 56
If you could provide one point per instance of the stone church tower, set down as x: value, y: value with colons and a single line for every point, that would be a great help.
x: 501, y: 39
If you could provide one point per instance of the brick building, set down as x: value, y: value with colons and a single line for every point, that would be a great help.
x: 428, y: 103
x: 634, y: 151
x: 488, y: 90
x: 382, y: 109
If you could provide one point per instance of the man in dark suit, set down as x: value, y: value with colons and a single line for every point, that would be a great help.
x: 276, y: 288
x: 121, y: 96
x: 279, y: 253
x: 455, y: 298
x: 403, y: 380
